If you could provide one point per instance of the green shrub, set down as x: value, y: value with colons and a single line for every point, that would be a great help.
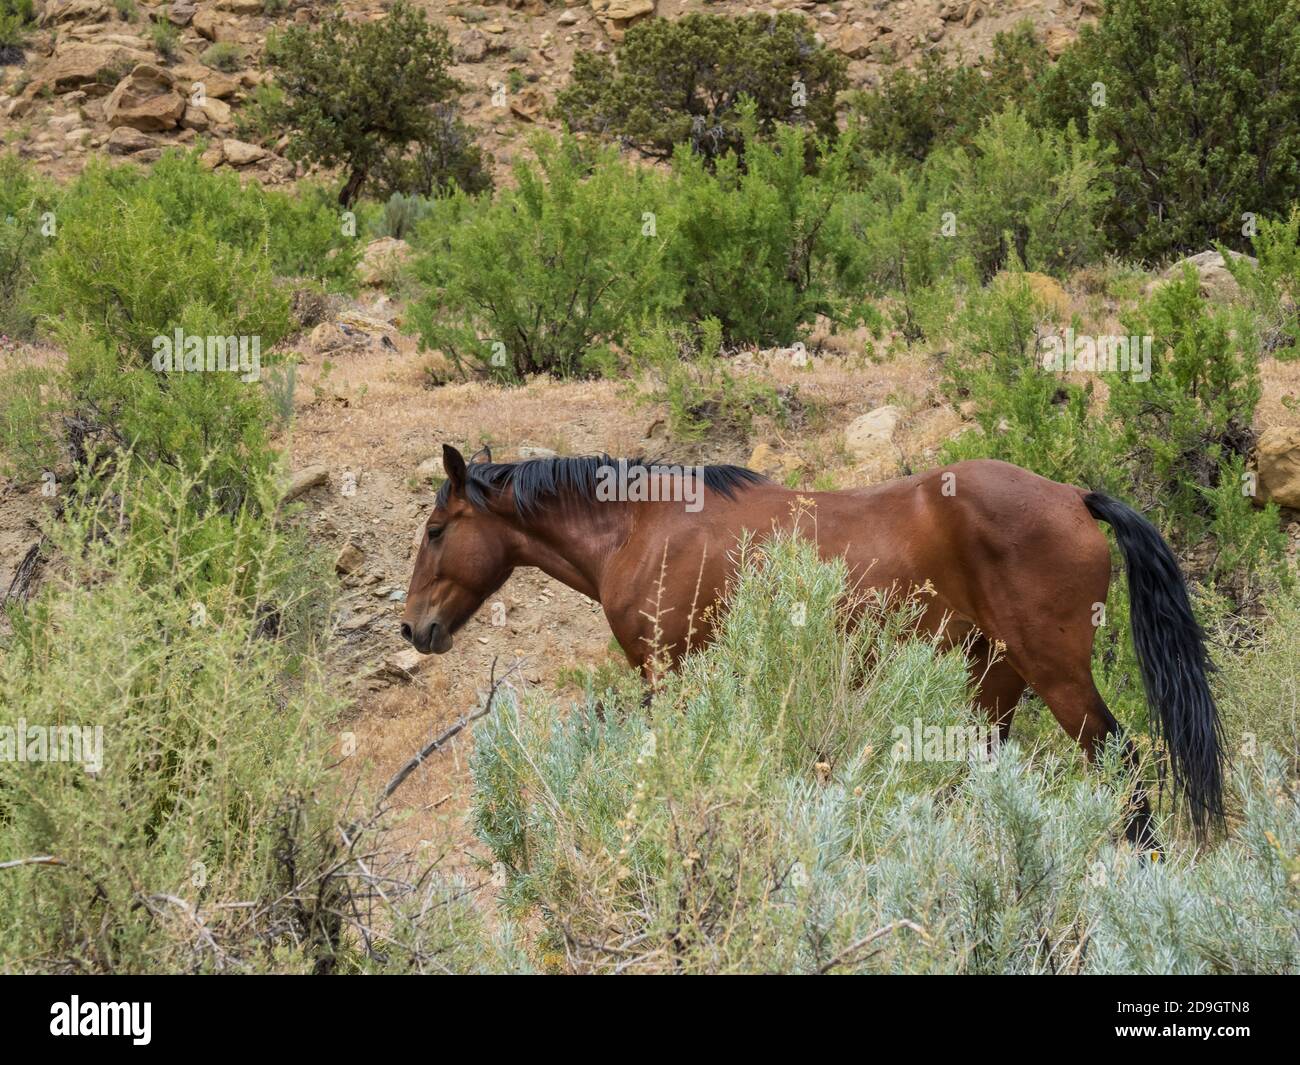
x: 1199, y: 104
x: 1272, y: 284
x: 759, y: 820
x: 360, y: 94
x: 938, y: 103
x: 166, y: 38
x: 1025, y: 412
x: 1037, y: 194
x: 1187, y: 430
x: 400, y: 216
x: 139, y: 258
x: 224, y: 56
x: 681, y: 81
x: 27, y: 227
x: 543, y: 278
x: 16, y: 17
x: 749, y: 244
x: 213, y: 834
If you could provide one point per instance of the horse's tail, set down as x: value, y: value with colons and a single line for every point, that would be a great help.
x: 1171, y: 652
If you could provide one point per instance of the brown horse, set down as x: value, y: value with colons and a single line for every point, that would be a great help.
x: 1015, y: 567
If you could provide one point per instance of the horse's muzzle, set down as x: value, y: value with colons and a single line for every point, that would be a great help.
x: 433, y: 639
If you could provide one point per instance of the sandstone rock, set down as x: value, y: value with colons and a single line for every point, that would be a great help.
x: 616, y: 16
x: 381, y: 258
x: 472, y: 46
x: 195, y: 77
x: 181, y: 13
x: 86, y: 66
x: 126, y: 140
x: 1216, y: 282
x: 211, y: 26
x: 567, y: 18
x: 240, y: 7
x: 855, y: 41
x: 195, y: 119
x: 765, y: 459
x: 307, y: 478
x: 217, y: 111
x: 1057, y: 40
x: 241, y: 153
x: 349, y: 560
x: 529, y: 104
x: 146, y: 100
x: 871, y: 437
x: 59, y: 12
x: 1277, y: 458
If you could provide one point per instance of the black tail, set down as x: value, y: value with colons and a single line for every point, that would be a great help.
x: 1171, y: 651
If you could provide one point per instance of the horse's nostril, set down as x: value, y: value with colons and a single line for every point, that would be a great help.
x: 406, y: 632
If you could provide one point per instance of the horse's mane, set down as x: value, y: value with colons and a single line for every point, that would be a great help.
x: 538, y: 481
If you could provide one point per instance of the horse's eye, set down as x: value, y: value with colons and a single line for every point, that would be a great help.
x: 434, y: 532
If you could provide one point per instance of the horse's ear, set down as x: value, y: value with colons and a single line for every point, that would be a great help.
x: 453, y: 462
x: 483, y: 454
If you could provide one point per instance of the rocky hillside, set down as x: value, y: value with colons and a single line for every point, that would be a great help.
x: 132, y: 77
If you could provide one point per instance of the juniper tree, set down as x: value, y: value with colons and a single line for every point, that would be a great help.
x: 361, y: 95
x: 682, y: 81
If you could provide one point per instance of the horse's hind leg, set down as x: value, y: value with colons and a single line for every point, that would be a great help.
x: 996, y: 685
x: 1071, y: 694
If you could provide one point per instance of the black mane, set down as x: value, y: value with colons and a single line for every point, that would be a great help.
x: 538, y: 481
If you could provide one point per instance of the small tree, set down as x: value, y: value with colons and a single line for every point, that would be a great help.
x: 682, y: 81
x: 360, y: 94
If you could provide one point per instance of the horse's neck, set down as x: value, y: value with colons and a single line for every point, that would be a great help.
x: 572, y: 544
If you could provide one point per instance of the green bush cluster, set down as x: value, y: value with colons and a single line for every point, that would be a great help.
x: 682, y: 81
x: 553, y: 273
x: 135, y: 256
x: 1195, y: 100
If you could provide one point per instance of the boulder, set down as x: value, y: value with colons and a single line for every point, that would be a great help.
x: 58, y: 12
x: 616, y: 16
x: 126, y: 140
x: 530, y: 104
x: 181, y: 13
x: 241, y: 153
x: 145, y: 100
x: 1277, y: 458
x: 211, y: 26
x: 871, y: 437
x: 86, y: 66
x: 1217, y: 284
x: 191, y: 77
x: 240, y: 7
x: 349, y: 560
x: 305, y: 479
x: 855, y: 41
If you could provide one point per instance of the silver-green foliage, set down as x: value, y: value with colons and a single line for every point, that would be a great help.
x: 759, y: 819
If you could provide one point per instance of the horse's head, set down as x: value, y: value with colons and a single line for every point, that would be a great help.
x: 462, y: 559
